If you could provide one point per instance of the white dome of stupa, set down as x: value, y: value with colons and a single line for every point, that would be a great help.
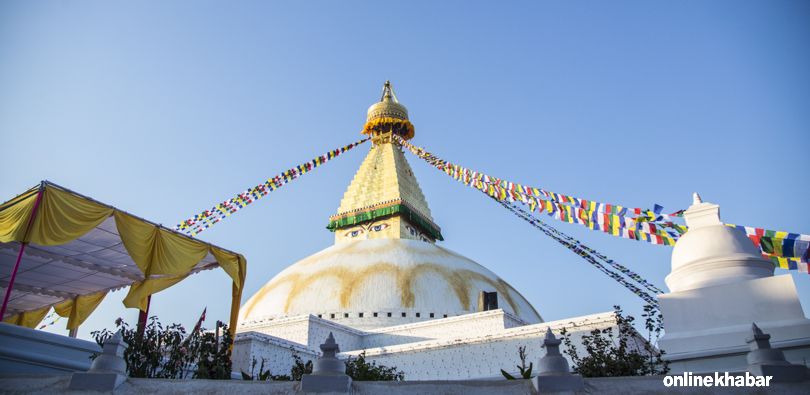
x: 711, y: 243
x: 711, y: 253
x: 383, y: 276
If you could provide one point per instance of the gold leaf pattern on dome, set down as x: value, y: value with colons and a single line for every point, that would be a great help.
x: 351, y: 280
x: 375, y: 275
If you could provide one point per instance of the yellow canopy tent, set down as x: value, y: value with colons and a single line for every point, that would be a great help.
x: 67, y: 251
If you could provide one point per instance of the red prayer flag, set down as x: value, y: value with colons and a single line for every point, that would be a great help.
x: 199, y: 322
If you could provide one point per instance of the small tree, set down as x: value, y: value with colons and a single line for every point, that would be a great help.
x: 360, y: 370
x: 213, y: 355
x: 609, y: 355
x: 356, y: 368
x: 654, y: 323
x: 299, y: 368
x: 158, y: 352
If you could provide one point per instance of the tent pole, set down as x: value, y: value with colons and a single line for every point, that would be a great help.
x: 143, y: 315
x: 19, y: 256
x: 11, y: 281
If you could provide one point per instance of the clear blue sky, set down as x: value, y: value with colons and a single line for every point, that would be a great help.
x: 165, y: 108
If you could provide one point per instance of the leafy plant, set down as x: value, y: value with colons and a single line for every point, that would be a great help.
x: 213, y: 354
x: 524, y: 372
x: 262, y: 375
x: 356, y: 368
x: 360, y: 370
x: 158, y: 352
x: 299, y: 368
x: 609, y: 355
x: 654, y: 323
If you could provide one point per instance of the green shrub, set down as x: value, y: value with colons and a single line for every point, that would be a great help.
x: 299, y: 368
x: 621, y: 355
x: 360, y: 370
x: 356, y: 368
x: 263, y: 375
x: 158, y: 352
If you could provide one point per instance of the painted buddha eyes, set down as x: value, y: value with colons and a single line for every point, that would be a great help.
x: 354, y: 233
x: 362, y: 229
x: 378, y: 228
x: 415, y: 233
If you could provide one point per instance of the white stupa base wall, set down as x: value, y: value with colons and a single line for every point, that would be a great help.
x: 706, y: 328
x: 471, y: 346
x: 277, y: 354
x: 734, y: 359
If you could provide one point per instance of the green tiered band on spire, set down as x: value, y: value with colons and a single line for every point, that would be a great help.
x: 382, y: 210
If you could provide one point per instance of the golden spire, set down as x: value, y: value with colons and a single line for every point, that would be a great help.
x: 384, y: 200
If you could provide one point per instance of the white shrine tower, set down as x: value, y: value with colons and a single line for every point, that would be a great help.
x: 720, y: 285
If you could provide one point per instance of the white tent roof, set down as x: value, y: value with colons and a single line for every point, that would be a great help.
x: 96, y: 262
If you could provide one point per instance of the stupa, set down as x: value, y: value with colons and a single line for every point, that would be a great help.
x: 387, y: 289
x: 385, y: 268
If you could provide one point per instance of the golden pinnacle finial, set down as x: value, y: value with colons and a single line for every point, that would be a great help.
x: 388, y: 92
x: 388, y: 106
x: 388, y: 116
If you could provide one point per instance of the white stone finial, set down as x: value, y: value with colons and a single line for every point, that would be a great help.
x: 553, y: 373
x: 330, y: 347
x: 759, y: 340
x: 702, y: 214
x: 108, y: 370
x: 766, y: 361
x: 550, y: 334
x: 328, y: 372
x: 553, y: 363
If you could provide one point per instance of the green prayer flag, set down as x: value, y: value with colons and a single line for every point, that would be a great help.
x: 767, y: 244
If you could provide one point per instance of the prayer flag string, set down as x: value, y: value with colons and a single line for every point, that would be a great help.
x: 786, y: 250
x: 588, y: 254
x: 651, y: 226
x: 43, y: 326
x: 208, y: 218
x: 576, y: 244
x: 572, y: 244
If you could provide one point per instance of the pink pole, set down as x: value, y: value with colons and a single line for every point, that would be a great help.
x: 143, y: 315
x: 19, y: 256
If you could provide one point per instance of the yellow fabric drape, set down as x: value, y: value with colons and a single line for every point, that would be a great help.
x: 236, y: 301
x: 161, y: 252
x: 139, y: 292
x: 63, y: 217
x: 236, y: 267
x: 28, y: 319
x: 158, y: 251
x: 232, y: 264
x: 15, y: 216
x: 138, y: 238
x: 64, y: 308
x: 86, y: 306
